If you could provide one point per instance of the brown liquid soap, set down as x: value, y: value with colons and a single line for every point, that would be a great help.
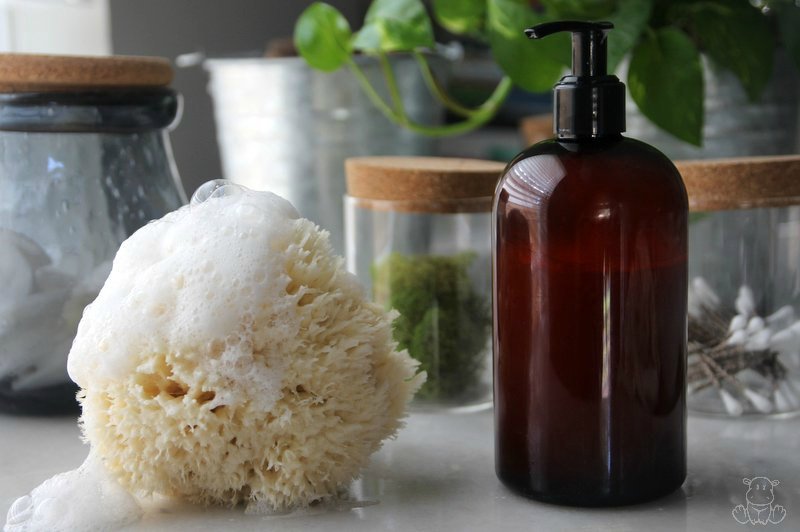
x: 590, y: 294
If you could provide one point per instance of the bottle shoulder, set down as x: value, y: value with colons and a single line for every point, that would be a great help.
x: 597, y: 149
x: 618, y: 170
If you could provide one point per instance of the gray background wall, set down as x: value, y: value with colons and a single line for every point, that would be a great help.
x: 170, y: 28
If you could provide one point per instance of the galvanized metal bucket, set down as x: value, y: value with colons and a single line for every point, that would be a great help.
x: 286, y: 128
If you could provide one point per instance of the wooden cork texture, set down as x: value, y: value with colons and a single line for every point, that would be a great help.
x: 50, y: 73
x: 537, y: 128
x: 741, y: 183
x: 423, y: 184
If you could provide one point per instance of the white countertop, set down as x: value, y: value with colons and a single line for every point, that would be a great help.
x: 439, y: 476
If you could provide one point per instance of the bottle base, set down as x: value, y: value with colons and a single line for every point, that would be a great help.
x: 581, y: 498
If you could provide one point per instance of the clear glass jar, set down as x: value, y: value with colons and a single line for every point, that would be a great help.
x: 418, y: 235
x: 744, y: 295
x: 80, y: 170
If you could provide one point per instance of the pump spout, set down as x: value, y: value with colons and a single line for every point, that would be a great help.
x: 589, y: 103
x: 589, y: 51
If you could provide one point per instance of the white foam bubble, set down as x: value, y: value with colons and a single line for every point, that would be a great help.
x: 192, y: 278
x: 88, y: 499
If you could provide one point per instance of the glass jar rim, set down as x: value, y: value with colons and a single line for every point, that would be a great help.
x: 476, y: 205
x: 90, y: 111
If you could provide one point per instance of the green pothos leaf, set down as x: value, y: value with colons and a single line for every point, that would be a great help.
x: 460, y: 16
x: 629, y: 20
x: 738, y: 37
x: 395, y: 26
x: 665, y: 79
x: 322, y: 37
x: 579, y: 9
x: 533, y: 65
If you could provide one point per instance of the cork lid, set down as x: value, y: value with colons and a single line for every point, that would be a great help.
x: 537, y: 128
x: 740, y: 183
x: 51, y: 73
x: 423, y: 184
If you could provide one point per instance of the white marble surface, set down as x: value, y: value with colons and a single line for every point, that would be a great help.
x: 439, y: 476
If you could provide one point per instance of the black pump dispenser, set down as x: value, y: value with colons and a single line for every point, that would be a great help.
x: 589, y: 103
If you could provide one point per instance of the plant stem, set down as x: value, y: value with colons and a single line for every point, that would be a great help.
x: 477, y: 117
x: 371, y: 93
x: 436, y: 89
x: 391, y: 84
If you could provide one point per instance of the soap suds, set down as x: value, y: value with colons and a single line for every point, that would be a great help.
x: 230, y: 358
x: 86, y: 499
x: 192, y: 284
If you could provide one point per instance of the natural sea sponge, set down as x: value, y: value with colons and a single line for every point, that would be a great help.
x: 231, y: 358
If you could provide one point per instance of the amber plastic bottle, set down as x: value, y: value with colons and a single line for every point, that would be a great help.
x: 590, y: 290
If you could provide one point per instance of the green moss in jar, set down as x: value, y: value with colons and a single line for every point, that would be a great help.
x: 444, y: 321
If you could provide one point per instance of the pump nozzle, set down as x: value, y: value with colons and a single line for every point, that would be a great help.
x: 589, y: 54
x: 588, y: 103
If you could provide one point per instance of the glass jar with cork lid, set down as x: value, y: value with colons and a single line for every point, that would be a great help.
x: 744, y: 285
x: 418, y: 235
x: 85, y: 160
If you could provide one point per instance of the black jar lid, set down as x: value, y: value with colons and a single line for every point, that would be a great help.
x: 47, y: 93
